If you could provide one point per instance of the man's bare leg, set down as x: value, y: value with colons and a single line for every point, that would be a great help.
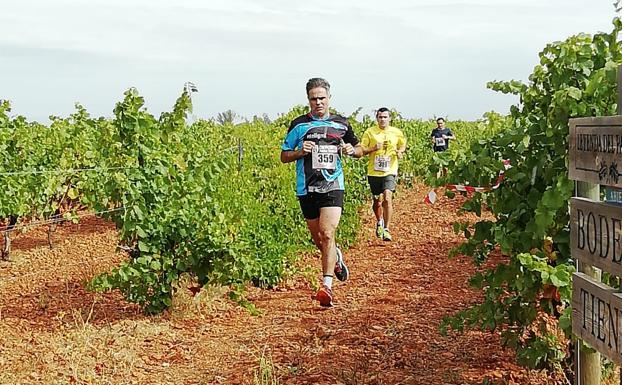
x: 329, y: 220
x: 387, y: 206
x: 314, y: 228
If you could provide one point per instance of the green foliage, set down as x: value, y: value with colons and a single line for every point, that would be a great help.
x: 172, y: 221
x: 575, y: 78
x: 211, y: 200
x: 45, y: 169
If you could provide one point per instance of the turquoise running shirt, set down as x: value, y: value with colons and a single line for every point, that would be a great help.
x: 321, y: 170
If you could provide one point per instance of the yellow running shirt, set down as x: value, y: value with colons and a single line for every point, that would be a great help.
x: 383, y: 162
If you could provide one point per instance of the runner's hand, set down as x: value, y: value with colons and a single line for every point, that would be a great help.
x: 347, y: 148
x: 307, y: 146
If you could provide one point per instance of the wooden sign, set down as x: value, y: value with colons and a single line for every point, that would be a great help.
x: 595, y: 149
x: 596, y: 234
x: 597, y: 316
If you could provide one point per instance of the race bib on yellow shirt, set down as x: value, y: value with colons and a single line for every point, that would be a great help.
x: 382, y: 163
x: 324, y: 157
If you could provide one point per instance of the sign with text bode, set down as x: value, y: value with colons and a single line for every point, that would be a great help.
x: 595, y: 234
x: 595, y: 147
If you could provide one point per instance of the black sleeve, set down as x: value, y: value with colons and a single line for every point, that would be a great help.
x: 349, y: 137
x: 297, y: 121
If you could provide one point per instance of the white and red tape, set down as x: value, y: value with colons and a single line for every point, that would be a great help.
x: 430, y: 198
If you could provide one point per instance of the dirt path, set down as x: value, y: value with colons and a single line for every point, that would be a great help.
x: 383, y: 329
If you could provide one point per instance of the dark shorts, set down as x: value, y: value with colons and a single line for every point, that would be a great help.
x: 312, y: 202
x: 377, y: 184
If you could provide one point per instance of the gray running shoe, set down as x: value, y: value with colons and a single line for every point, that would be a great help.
x: 386, y: 235
x: 341, y: 270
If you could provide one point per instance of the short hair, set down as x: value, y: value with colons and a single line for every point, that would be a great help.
x: 382, y: 109
x: 437, y: 119
x: 318, y: 82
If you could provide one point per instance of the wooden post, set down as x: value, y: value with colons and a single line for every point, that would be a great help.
x: 240, y: 153
x: 589, y: 362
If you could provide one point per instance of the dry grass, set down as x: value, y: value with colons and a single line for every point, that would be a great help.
x: 209, y: 300
x: 265, y: 374
x: 82, y: 353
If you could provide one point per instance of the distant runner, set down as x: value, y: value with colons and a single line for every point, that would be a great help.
x: 316, y: 142
x: 386, y: 145
x: 440, y: 136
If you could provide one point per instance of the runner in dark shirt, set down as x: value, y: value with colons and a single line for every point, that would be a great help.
x: 316, y: 141
x: 440, y: 136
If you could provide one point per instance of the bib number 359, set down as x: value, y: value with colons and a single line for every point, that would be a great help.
x: 324, y: 156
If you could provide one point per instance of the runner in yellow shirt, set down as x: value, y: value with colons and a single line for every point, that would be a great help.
x: 385, y: 144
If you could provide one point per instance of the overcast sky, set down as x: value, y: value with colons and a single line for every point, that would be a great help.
x: 423, y: 57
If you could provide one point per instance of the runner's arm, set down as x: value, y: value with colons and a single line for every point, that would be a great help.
x: 292, y: 155
x: 366, y: 143
x: 369, y: 150
x: 358, y: 151
x: 355, y: 151
x: 351, y: 143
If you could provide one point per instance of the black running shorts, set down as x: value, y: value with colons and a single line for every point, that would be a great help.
x: 377, y: 184
x: 312, y: 202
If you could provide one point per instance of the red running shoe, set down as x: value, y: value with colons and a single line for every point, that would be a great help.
x: 325, y: 296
